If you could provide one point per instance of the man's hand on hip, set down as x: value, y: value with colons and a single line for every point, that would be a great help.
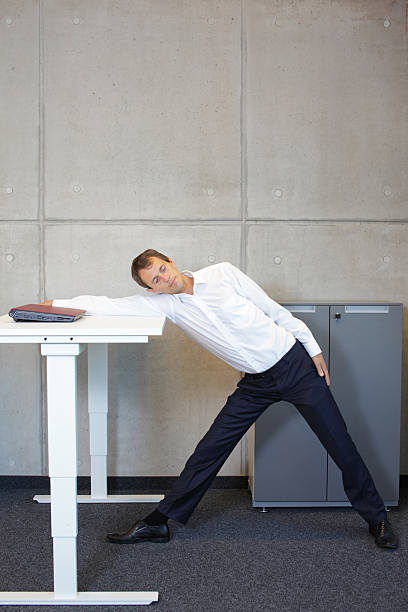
x: 321, y: 367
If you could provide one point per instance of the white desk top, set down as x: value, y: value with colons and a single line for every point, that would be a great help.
x: 85, y: 330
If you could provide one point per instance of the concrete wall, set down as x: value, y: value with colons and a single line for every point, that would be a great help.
x: 268, y: 133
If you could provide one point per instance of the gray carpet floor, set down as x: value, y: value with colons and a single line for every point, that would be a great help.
x: 228, y: 557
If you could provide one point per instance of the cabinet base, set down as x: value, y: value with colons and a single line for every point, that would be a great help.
x: 309, y: 504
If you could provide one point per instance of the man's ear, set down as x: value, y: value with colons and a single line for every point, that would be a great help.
x: 151, y: 291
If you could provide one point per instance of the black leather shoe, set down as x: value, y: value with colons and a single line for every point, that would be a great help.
x: 384, y: 535
x: 140, y: 532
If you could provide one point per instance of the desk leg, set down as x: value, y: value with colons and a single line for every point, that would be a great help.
x: 62, y: 459
x: 98, y: 417
x: 62, y: 454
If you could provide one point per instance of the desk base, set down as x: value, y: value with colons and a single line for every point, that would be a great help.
x: 97, y: 598
x: 109, y: 499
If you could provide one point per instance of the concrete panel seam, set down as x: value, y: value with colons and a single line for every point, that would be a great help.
x: 52, y: 220
x: 41, y: 183
x: 244, y: 137
x: 205, y: 222
x: 256, y: 221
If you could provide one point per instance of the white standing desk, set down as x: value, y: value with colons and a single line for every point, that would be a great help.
x: 61, y: 343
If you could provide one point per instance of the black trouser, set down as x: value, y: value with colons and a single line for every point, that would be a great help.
x: 294, y: 379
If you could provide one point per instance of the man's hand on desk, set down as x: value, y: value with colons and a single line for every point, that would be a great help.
x: 47, y: 303
x: 321, y: 367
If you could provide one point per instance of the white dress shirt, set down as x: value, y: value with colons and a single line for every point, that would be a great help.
x: 228, y: 314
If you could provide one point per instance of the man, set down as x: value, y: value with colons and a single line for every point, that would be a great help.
x: 231, y: 316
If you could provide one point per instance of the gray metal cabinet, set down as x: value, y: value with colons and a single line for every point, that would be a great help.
x: 361, y: 343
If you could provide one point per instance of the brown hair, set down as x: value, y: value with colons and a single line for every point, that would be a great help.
x: 143, y: 261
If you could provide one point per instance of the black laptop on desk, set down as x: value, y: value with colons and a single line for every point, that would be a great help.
x: 45, y: 314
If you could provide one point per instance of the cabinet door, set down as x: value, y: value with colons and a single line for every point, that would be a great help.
x: 290, y: 464
x: 365, y: 367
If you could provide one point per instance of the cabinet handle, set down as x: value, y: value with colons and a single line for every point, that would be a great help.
x: 369, y: 308
x: 337, y: 315
x: 300, y: 307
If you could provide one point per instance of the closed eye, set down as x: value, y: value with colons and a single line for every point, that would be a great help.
x: 156, y: 278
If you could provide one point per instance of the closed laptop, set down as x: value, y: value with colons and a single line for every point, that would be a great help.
x: 46, y: 314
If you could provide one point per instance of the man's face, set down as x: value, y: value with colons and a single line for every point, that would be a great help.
x: 162, y: 277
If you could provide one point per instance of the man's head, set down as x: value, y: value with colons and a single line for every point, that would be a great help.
x: 157, y: 273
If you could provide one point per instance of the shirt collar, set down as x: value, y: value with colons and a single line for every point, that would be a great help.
x: 198, y: 280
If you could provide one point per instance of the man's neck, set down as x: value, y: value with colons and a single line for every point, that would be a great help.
x: 188, y: 284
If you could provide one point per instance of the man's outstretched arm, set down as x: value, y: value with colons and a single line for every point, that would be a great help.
x: 101, y: 305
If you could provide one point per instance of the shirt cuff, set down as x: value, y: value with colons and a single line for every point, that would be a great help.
x: 312, y: 348
x: 60, y: 303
